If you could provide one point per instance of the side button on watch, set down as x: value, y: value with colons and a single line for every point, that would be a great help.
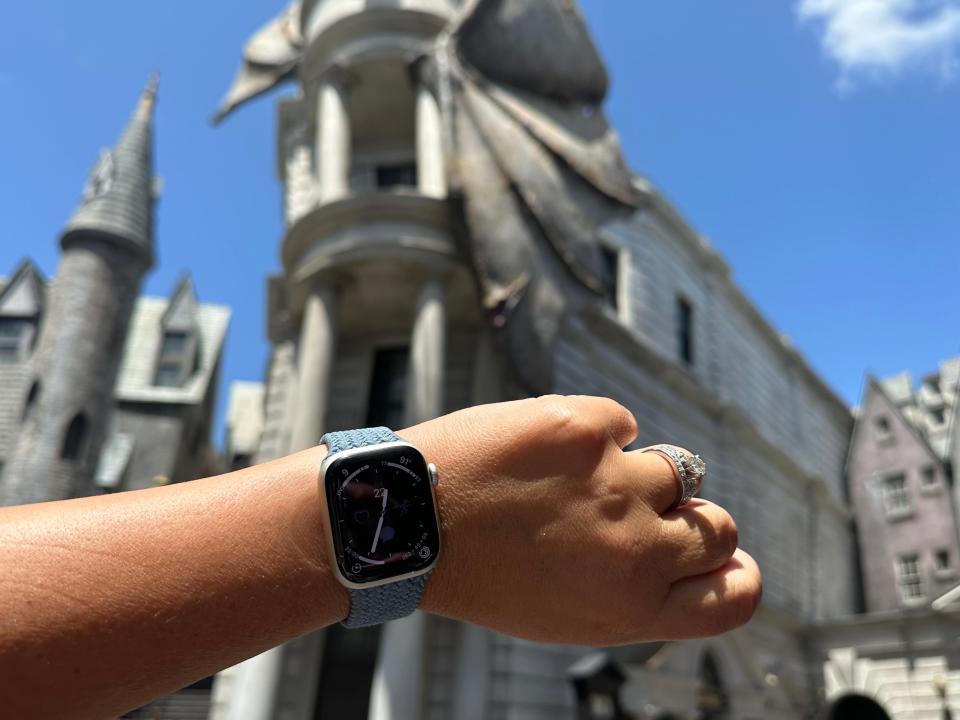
x: 384, y: 525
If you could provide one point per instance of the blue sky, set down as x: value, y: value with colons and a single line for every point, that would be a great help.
x: 815, y: 142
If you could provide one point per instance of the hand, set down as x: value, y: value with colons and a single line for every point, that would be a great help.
x: 552, y: 533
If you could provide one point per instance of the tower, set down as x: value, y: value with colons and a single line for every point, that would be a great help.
x: 107, y: 248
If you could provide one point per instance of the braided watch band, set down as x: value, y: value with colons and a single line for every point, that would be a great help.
x: 376, y: 605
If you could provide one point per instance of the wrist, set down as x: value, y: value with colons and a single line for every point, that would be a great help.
x: 310, y: 535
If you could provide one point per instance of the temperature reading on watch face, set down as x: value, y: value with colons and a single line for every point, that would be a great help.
x: 381, y: 509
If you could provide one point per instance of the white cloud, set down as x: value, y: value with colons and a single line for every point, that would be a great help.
x: 886, y: 37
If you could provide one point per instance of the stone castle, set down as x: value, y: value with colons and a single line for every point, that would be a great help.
x: 102, y: 390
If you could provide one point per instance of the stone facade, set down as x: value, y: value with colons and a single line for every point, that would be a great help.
x: 380, y: 317
x: 377, y: 311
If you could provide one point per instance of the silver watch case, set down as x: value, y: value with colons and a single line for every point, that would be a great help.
x: 434, y: 478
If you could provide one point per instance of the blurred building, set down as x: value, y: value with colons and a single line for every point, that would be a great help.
x: 244, y: 426
x: 102, y: 389
x: 903, y: 453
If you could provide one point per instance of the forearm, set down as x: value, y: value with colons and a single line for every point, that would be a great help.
x: 145, y: 592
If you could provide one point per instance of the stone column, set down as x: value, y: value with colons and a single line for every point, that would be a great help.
x: 431, y: 172
x: 333, y: 140
x: 314, y: 367
x: 398, y: 681
x: 471, y: 680
x: 253, y: 690
x: 427, y: 355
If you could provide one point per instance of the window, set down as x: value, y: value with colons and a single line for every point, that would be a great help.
x: 896, y: 501
x: 882, y: 430
x: 178, y: 359
x: 31, y: 400
x: 942, y: 560
x: 928, y: 476
x: 174, y: 343
x: 390, y: 176
x: 388, y: 388
x: 938, y: 415
x: 685, y: 331
x: 908, y: 578
x: 14, y: 338
x: 610, y: 258
x: 73, y: 440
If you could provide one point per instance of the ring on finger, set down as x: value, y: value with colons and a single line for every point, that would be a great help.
x: 689, y: 469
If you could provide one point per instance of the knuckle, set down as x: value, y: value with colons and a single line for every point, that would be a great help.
x: 558, y: 411
x: 570, y: 423
x: 625, y: 419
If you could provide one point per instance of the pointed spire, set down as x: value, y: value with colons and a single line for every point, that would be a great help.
x: 149, y: 97
x: 119, y: 197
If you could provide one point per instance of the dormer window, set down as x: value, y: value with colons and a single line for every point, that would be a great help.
x: 177, y: 359
x: 16, y: 338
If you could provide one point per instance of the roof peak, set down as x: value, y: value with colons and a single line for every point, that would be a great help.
x: 148, y: 98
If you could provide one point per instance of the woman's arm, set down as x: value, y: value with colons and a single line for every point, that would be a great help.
x: 108, y: 602
x: 550, y: 532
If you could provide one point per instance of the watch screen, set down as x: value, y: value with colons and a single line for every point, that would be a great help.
x: 381, y: 510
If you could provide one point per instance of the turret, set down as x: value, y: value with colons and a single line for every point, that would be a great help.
x: 107, y: 248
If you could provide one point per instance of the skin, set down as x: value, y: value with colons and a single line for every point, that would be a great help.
x: 550, y: 532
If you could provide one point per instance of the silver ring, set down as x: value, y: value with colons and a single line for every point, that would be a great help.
x: 690, y: 469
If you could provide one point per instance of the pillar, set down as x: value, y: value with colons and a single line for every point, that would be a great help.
x: 427, y: 350
x: 333, y: 140
x: 314, y: 367
x: 431, y: 173
x: 398, y: 681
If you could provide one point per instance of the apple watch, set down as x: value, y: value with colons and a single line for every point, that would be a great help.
x: 384, y: 527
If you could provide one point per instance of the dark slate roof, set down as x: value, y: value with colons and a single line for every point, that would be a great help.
x: 118, y: 199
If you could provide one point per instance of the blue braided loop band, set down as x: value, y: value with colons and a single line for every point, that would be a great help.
x: 350, y: 439
x: 387, y: 602
x: 376, y: 605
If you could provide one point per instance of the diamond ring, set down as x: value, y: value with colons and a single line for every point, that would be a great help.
x: 690, y: 469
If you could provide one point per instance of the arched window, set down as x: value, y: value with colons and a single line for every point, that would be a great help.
x: 713, y: 702
x: 74, y: 439
x: 31, y: 400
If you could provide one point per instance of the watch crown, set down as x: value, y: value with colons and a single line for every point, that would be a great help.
x: 434, y: 474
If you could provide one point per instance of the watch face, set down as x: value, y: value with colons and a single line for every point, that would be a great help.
x: 382, y: 514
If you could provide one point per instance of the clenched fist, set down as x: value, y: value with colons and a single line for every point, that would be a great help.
x: 553, y: 533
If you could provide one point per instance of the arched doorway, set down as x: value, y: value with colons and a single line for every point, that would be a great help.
x: 855, y: 707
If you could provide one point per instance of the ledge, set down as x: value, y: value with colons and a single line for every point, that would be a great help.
x: 899, y: 515
x: 369, y: 225
x: 362, y: 32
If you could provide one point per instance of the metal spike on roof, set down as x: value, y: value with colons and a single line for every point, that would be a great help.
x: 119, y: 197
